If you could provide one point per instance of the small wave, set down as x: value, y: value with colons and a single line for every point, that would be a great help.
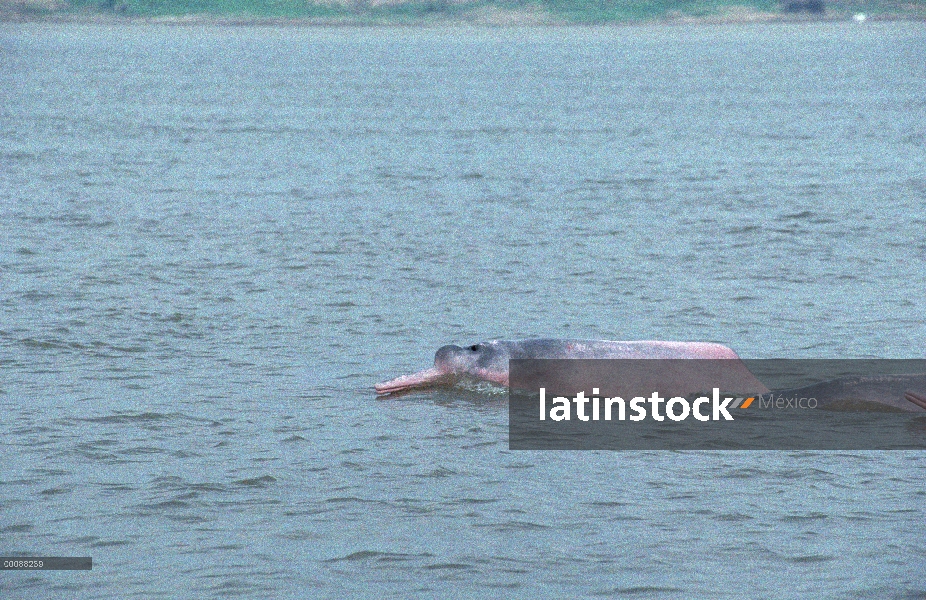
x: 363, y: 555
x: 105, y: 544
x: 128, y: 417
x: 810, y: 558
x: 482, y: 387
x: 257, y: 482
x: 642, y: 590
x: 450, y: 566
x: 439, y: 472
x: 813, y: 516
x: 507, y: 526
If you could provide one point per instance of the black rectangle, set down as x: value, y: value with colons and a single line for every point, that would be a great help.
x: 46, y: 563
x: 796, y: 404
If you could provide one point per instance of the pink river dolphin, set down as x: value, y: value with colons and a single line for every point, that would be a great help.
x: 488, y: 361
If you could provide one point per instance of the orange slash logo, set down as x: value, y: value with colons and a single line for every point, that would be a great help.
x: 740, y: 404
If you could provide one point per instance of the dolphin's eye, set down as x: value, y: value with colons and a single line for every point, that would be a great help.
x: 475, y: 347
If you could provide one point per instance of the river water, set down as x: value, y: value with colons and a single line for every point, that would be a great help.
x: 214, y: 241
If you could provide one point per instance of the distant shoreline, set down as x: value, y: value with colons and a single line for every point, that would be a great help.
x: 226, y: 21
x: 450, y: 13
x: 423, y: 14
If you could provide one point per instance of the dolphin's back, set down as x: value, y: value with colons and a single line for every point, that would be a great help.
x: 598, y: 349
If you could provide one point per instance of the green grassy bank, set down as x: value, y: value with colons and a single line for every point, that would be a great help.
x: 464, y: 11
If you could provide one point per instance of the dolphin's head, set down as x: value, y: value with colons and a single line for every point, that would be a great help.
x: 486, y: 361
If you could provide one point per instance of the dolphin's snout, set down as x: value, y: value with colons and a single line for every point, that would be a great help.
x: 428, y: 377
